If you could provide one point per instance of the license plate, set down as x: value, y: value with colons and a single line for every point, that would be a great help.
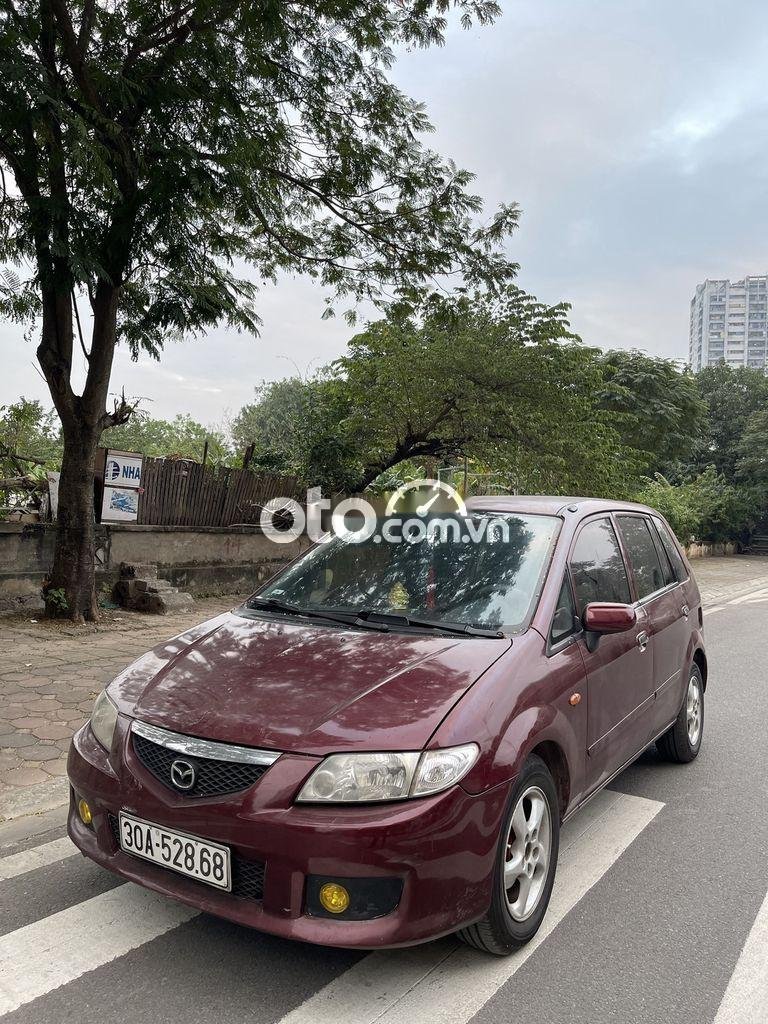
x: 195, y: 858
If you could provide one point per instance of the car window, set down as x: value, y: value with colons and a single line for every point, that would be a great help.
x: 564, y: 619
x: 678, y: 565
x: 597, y: 567
x: 646, y: 564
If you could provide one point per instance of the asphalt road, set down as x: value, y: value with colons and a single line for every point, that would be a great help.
x: 659, y: 914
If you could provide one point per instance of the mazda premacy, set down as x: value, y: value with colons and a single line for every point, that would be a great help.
x: 380, y: 746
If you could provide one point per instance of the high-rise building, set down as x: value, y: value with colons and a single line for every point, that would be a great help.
x: 728, y: 322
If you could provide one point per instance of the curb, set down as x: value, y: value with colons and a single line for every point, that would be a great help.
x: 43, y: 796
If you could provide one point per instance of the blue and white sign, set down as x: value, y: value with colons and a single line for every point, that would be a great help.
x: 122, y: 469
x: 122, y: 483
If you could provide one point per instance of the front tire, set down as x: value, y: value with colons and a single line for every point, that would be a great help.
x: 526, y: 860
x: 682, y: 742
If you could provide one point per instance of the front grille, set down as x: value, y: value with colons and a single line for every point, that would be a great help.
x: 212, y: 777
x: 247, y: 875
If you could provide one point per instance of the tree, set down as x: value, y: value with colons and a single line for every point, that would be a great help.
x: 181, y: 436
x: 29, y: 443
x: 659, y: 410
x: 501, y: 380
x: 28, y: 433
x: 733, y: 396
x: 149, y: 150
x: 752, y: 448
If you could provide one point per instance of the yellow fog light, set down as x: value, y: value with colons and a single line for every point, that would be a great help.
x: 84, y: 811
x: 334, y: 898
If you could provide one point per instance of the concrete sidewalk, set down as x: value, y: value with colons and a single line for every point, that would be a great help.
x: 50, y: 673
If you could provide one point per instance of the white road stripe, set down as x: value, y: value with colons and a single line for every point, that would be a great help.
x: 37, y: 857
x: 711, y: 611
x: 447, y: 983
x: 746, y: 998
x: 749, y: 597
x: 58, y: 949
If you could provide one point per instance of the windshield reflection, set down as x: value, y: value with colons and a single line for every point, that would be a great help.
x: 489, y: 582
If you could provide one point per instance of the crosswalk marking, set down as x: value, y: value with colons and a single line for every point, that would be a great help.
x: 37, y: 857
x: 447, y: 983
x: 746, y: 998
x: 58, y: 949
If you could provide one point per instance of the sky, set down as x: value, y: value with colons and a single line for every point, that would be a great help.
x: 632, y: 133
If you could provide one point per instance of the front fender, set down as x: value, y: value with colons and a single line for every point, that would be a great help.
x: 524, y: 700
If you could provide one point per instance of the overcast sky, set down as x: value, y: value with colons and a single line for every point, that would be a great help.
x: 631, y: 132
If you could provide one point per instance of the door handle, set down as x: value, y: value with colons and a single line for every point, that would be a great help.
x: 686, y: 611
x: 642, y: 640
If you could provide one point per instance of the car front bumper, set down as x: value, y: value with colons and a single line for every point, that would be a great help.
x: 440, y: 848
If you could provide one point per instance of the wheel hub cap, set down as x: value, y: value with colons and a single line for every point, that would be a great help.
x: 527, y: 853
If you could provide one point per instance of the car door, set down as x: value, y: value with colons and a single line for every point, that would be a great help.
x: 620, y: 667
x: 659, y: 594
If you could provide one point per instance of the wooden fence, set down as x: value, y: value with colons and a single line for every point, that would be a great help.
x: 181, y: 493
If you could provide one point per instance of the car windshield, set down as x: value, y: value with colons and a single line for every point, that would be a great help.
x: 482, y: 570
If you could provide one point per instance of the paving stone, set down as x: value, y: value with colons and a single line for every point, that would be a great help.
x: 24, y: 776
x: 9, y: 759
x: 68, y: 715
x: 42, y: 705
x: 28, y: 723
x: 52, y: 731
x: 41, y: 753
x: 16, y: 739
x: 55, y: 768
x: 11, y: 711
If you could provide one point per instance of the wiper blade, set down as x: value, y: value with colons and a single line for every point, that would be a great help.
x: 271, y: 604
x: 460, y: 628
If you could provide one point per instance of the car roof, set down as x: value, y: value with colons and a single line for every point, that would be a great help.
x: 552, y: 505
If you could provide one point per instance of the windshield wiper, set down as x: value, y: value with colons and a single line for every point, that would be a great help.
x: 271, y: 604
x: 460, y: 628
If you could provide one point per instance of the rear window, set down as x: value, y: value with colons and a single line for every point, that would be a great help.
x: 641, y: 548
x: 673, y: 554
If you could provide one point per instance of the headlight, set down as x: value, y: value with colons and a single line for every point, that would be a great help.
x: 104, y: 720
x: 345, y: 778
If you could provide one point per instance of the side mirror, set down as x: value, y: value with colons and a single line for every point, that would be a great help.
x: 603, y: 617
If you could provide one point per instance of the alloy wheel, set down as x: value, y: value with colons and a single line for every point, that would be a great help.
x: 527, y: 853
x: 693, y: 710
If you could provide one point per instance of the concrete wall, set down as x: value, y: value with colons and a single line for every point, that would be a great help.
x: 204, y: 561
x: 707, y: 550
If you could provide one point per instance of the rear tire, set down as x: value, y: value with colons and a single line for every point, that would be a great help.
x: 526, y: 860
x: 682, y: 743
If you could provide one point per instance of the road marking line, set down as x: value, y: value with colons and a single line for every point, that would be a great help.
x: 447, y: 983
x: 58, y: 949
x: 749, y: 597
x: 711, y: 611
x: 746, y: 998
x: 36, y: 857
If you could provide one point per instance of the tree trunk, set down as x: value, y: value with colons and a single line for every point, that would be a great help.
x: 71, y: 590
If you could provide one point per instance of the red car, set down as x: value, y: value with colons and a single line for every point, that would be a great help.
x: 380, y: 746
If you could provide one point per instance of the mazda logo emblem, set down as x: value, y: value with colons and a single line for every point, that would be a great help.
x: 183, y: 774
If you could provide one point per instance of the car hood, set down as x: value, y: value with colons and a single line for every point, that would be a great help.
x: 298, y: 687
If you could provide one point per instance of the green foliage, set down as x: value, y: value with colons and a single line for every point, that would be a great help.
x: 752, y: 448
x: 27, y: 429
x: 181, y: 436
x: 157, y: 148
x: 732, y: 395
x: 56, y: 599
x: 499, y: 378
x: 706, y: 508
x: 659, y: 410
